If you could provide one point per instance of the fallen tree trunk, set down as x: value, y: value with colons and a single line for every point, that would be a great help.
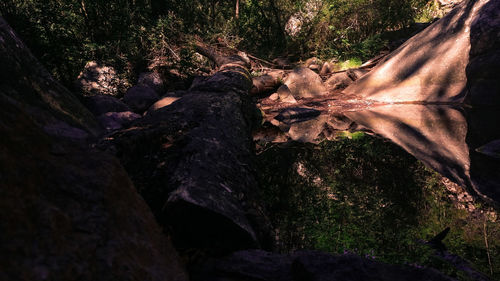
x: 193, y: 160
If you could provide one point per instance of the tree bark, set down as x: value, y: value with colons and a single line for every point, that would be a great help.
x: 193, y: 160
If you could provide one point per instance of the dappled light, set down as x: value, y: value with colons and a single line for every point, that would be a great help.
x: 256, y: 140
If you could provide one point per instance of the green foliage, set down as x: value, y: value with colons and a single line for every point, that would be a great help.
x: 350, y: 63
x: 363, y: 195
x: 128, y: 34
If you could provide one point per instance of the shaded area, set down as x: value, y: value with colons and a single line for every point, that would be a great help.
x: 367, y: 196
x: 71, y: 213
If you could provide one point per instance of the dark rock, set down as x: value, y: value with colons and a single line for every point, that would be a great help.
x: 484, y: 57
x: 100, y: 104
x: 297, y: 114
x: 98, y: 79
x: 140, y: 98
x: 69, y: 213
x: 317, y: 266
x: 26, y: 82
x: 117, y: 120
x: 253, y: 265
x: 307, y: 131
x: 355, y: 73
x: 152, y: 80
x: 491, y: 149
x: 305, y: 83
x: 339, y: 81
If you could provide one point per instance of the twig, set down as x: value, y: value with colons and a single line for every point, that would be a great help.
x: 487, y: 247
x: 262, y: 60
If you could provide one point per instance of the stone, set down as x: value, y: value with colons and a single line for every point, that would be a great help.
x: 260, y: 265
x: 431, y: 66
x: 152, y: 80
x: 308, y: 130
x: 491, y: 149
x: 165, y: 101
x: 274, y: 97
x: 338, y: 81
x: 99, y: 79
x: 484, y: 59
x: 305, y: 83
x: 140, y: 98
x: 116, y: 120
x: 297, y: 114
x: 327, y: 68
x: 100, y: 104
x: 26, y: 82
x: 317, y: 266
x: 68, y: 212
x: 356, y: 73
x: 285, y: 95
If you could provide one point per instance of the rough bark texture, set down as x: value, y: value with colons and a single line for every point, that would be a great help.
x: 192, y: 161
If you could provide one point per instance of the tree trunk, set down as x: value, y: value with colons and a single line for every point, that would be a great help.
x: 193, y: 160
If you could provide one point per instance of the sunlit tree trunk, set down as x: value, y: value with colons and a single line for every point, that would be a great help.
x: 237, y: 9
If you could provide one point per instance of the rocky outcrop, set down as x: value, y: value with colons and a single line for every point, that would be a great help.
x: 308, y: 265
x: 140, y: 98
x: 111, y: 121
x: 100, y: 104
x: 26, y: 81
x: 67, y: 212
x: 483, y: 68
x: 152, y: 80
x: 431, y: 66
x: 305, y: 83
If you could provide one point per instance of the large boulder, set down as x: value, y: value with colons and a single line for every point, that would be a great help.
x: 431, y: 66
x: 259, y: 265
x: 26, y: 81
x: 100, y: 104
x: 152, y: 80
x: 140, y: 98
x: 70, y: 213
x: 99, y: 79
x: 484, y: 57
x: 116, y: 120
x: 305, y: 83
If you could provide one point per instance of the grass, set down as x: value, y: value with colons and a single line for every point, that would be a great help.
x: 350, y: 63
x: 367, y: 196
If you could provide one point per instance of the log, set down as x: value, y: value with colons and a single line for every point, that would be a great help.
x: 193, y: 161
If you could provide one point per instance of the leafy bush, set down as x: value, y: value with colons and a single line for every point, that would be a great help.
x: 367, y: 196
